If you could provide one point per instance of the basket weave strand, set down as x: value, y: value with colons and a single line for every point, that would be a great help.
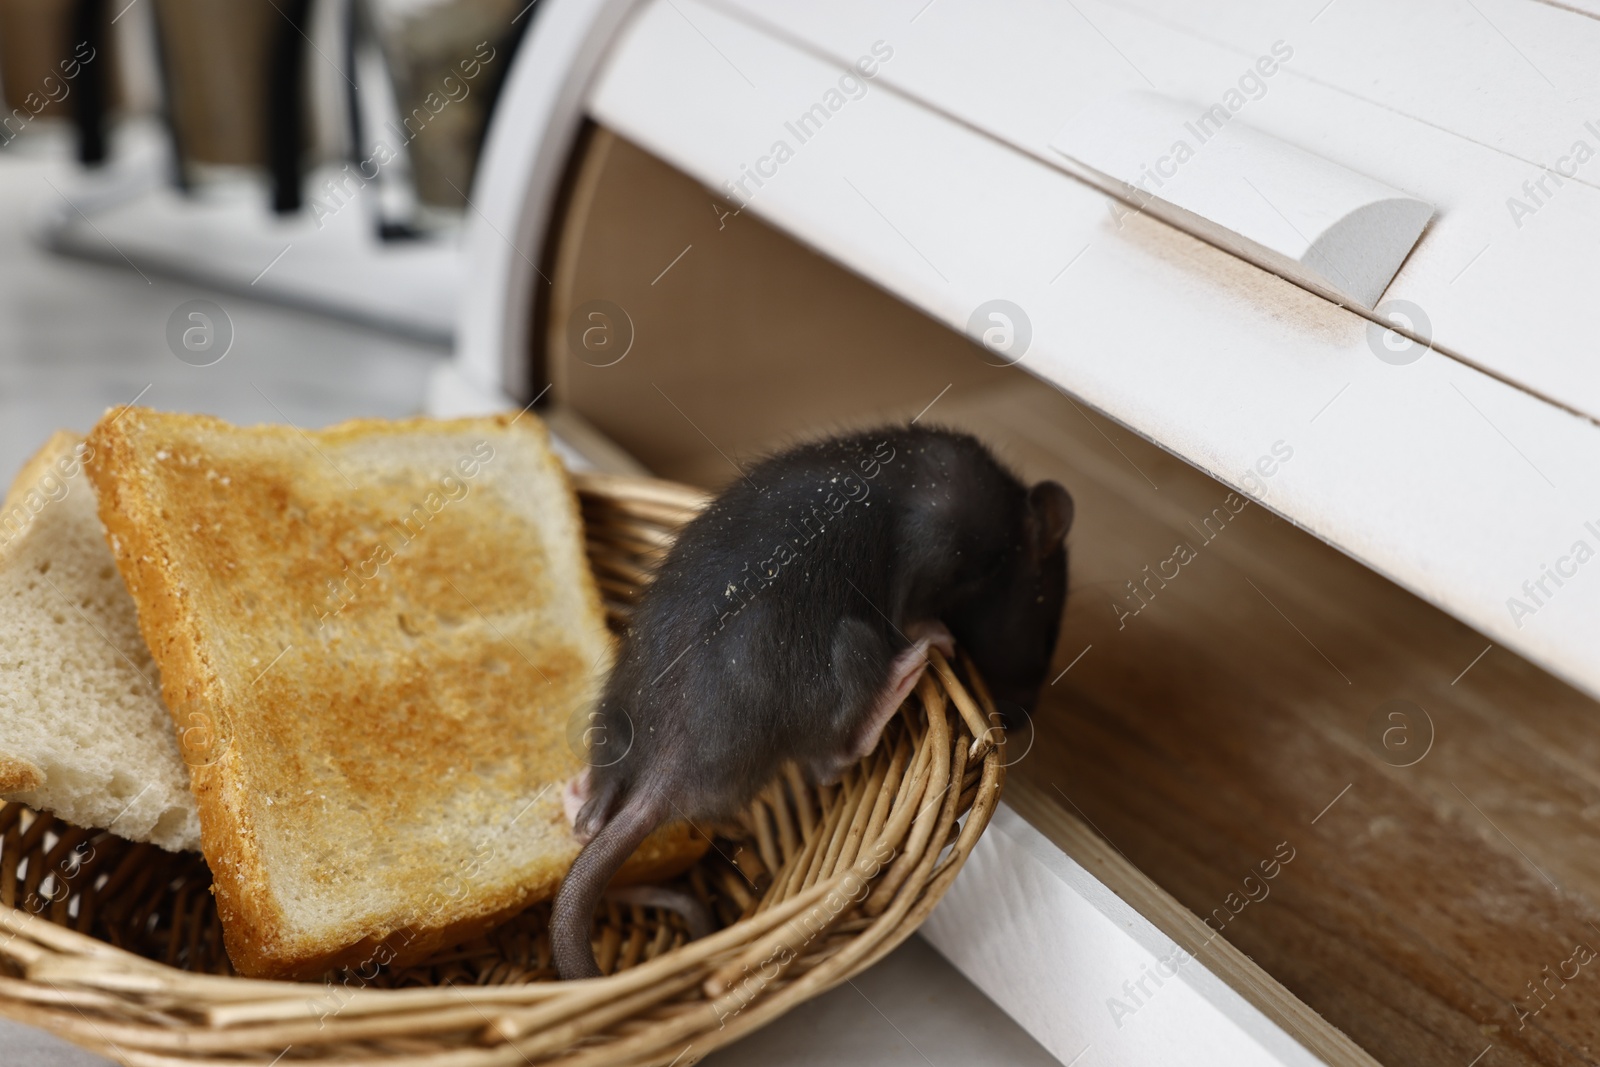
x: 116, y: 946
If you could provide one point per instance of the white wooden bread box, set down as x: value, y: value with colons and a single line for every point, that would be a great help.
x: 1340, y: 350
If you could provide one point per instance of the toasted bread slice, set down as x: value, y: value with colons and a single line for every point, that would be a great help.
x: 378, y: 638
x: 83, y: 732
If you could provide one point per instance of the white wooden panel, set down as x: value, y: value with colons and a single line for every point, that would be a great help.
x: 1065, y: 957
x: 1452, y: 483
x: 1431, y: 98
x: 514, y: 190
x: 1321, y: 225
x: 1518, y: 76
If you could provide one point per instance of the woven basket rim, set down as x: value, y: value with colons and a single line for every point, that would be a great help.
x: 909, y: 814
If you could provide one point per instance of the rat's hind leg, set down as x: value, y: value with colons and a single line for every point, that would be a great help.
x: 905, y: 671
x: 574, y: 795
x: 882, y: 694
x: 588, y: 806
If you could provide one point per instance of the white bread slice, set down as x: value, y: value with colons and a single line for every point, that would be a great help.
x: 392, y: 628
x: 83, y: 732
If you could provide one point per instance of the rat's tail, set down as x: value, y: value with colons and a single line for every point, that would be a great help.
x: 591, y: 872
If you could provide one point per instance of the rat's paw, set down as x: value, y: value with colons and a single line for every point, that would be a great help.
x: 574, y: 795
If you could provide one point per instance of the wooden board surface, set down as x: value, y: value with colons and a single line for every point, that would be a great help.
x: 1232, y: 715
x: 708, y: 341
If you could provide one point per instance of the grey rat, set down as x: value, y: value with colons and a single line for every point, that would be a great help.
x: 790, y: 619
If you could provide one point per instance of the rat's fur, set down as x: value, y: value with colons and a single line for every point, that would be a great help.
x: 781, y: 617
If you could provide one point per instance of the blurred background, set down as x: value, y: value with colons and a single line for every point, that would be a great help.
x: 271, y: 191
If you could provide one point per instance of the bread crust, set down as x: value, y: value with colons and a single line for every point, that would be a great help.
x: 16, y: 513
x: 425, y: 704
x: 18, y: 775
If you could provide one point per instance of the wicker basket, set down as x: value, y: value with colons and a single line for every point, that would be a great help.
x: 116, y: 946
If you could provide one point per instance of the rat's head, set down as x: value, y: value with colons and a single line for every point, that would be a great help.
x: 1009, y: 627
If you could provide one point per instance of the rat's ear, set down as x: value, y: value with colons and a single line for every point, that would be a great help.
x: 1049, y: 517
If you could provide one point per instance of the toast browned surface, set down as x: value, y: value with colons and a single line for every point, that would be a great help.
x: 375, y: 639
